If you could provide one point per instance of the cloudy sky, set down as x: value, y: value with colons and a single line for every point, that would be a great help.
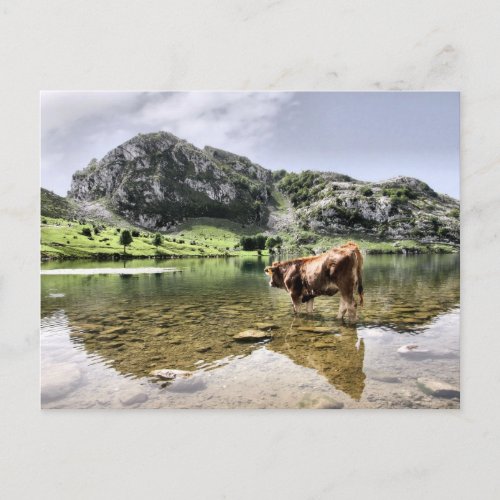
x: 367, y: 135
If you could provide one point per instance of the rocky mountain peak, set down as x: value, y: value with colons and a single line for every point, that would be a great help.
x: 158, y: 179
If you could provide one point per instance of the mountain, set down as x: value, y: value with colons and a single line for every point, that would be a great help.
x: 403, y: 207
x: 53, y: 205
x: 157, y: 180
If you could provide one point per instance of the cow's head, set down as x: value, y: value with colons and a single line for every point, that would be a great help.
x: 276, y: 274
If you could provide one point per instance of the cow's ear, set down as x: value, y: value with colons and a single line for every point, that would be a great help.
x: 270, y: 270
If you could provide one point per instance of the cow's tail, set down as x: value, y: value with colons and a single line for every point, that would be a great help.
x: 360, y: 289
x: 358, y: 273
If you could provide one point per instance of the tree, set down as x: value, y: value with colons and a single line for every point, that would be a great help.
x: 278, y: 175
x: 273, y: 242
x: 257, y: 242
x: 247, y: 243
x: 258, y: 208
x: 260, y: 242
x: 125, y: 239
x: 157, y: 239
x: 87, y: 232
x: 270, y: 243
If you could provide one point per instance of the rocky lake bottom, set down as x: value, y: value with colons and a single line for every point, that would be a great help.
x: 170, y: 339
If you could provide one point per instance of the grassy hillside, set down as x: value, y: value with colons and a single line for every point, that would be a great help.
x: 53, y: 205
x: 61, y: 238
x: 202, y: 237
x: 220, y: 233
x: 306, y: 243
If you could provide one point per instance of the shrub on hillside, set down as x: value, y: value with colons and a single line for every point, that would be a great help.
x: 257, y: 242
x: 157, y: 240
x: 273, y: 242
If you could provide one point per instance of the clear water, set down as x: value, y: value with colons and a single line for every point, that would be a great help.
x: 103, y: 335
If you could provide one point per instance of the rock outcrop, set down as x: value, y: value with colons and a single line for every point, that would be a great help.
x: 399, y: 208
x: 156, y: 180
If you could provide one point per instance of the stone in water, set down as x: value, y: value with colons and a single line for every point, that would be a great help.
x: 252, y: 335
x: 166, y: 374
x: 437, y: 388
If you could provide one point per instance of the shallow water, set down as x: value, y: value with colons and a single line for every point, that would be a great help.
x: 103, y: 335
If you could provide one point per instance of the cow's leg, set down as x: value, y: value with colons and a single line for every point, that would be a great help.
x: 348, y: 305
x: 296, y: 302
x: 342, y: 308
x: 310, y: 306
x: 352, y: 311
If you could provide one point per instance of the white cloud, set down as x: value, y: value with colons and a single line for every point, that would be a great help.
x: 77, y: 126
x: 61, y: 110
x: 236, y: 121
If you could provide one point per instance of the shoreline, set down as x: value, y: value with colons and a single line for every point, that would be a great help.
x: 366, y: 251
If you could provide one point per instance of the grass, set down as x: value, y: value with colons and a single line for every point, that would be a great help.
x: 367, y: 245
x: 220, y: 233
x: 201, y: 237
x: 279, y: 200
x: 62, y: 239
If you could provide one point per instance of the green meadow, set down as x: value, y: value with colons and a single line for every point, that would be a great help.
x: 202, y: 237
x: 61, y: 239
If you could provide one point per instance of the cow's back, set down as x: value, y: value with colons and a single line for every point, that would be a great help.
x: 318, y: 276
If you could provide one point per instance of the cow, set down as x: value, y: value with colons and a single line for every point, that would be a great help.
x: 337, y: 270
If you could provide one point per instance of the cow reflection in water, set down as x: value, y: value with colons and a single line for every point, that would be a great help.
x: 335, y: 353
x: 338, y: 356
x: 338, y: 270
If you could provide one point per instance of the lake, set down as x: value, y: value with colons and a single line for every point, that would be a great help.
x: 103, y: 335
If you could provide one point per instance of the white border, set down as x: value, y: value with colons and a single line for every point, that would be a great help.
x: 204, y: 44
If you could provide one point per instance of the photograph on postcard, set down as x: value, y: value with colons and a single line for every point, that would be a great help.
x: 250, y: 249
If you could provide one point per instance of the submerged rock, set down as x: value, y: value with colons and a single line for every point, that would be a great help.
x: 89, y: 327
x: 252, y: 335
x: 383, y: 377
x: 413, y: 351
x: 156, y: 332
x: 315, y: 329
x: 133, y: 397
x: 320, y: 402
x: 266, y: 326
x: 115, y: 330
x: 58, y: 380
x: 193, y: 384
x: 203, y: 349
x: 437, y: 388
x: 167, y: 374
x: 108, y: 337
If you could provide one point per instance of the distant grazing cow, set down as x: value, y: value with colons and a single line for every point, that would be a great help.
x: 338, y: 270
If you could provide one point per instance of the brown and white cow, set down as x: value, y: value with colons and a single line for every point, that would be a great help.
x: 338, y: 270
